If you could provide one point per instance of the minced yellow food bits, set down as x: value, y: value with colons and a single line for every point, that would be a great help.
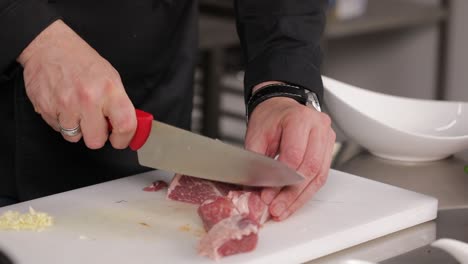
x: 36, y: 221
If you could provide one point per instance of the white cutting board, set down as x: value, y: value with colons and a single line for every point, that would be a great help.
x: 117, y: 222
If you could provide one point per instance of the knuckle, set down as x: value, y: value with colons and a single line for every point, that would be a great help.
x: 50, y: 119
x: 320, y: 180
x: 293, y: 156
x: 95, y: 145
x: 108, y: 85
x: 32, y: 90
x: 85, y: 94
x: 127, y: 124
x: 118, y: 144
x: 325, y: 119
x: 312, y: 166
x: 63, y: 101
x: 304, y: 111
x: 46, y: 109
x: 332, y: 135
x: 288, y: 196
x: 90, y: 93
x: 116, y: 76
x: 95, y: 142
x: 37, y: 109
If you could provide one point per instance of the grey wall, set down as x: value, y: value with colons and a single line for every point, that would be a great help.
x: 457, y: 73
x: 399, y: 62
x: 404, y: 62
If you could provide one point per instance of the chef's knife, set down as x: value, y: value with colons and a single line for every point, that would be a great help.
x: 168, y: 148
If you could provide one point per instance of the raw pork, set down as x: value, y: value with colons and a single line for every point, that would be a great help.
x: 213, y: 211
x: 155, y: 186
x: 232, y: 235
x: 249, y: 203
x: 231, y: 216
x: 193, y: 190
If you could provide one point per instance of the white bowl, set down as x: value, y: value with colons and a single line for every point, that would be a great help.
x: 395, y: 127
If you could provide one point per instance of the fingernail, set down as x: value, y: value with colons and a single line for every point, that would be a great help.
x: 278, y: 209
x: 283, y: 216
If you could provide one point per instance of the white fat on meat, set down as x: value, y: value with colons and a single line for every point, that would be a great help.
x: 241, y: 201
x: 224, y: 231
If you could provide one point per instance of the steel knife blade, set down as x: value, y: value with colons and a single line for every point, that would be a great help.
x: 165, y: 147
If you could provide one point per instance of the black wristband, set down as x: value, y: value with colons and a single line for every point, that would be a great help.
x: 275, y: 90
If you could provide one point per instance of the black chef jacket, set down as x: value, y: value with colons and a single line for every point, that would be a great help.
x: 152, y: 44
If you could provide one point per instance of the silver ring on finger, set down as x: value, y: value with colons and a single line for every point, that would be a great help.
x: 70, y: 132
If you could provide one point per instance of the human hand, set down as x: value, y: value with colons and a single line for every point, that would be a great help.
x: 304, y: 140
x: 70, y: 84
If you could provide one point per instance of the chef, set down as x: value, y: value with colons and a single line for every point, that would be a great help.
x: 66, y: 66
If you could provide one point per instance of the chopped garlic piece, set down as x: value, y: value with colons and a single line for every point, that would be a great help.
x: 36, y: 221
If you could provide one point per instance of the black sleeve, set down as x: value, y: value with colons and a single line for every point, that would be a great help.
x: 20, y: 22
x: 280, y: 41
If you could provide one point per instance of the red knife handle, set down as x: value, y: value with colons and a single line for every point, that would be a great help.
x: 144, y: 124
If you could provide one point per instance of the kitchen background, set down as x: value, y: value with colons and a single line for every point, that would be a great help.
x: 413, y: 48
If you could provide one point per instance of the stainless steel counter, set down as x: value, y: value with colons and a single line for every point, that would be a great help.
x: 444, y: 179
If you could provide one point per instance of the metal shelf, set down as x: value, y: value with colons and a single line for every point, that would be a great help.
x: 218, y: 33
x: 219, y: 27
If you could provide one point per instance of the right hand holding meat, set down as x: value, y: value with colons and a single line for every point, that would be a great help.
x: 70, y: 84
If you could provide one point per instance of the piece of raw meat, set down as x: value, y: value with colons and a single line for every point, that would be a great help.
x: 231, y: 214
x: 232, y: 235
x: 213, y: 211
x: 249, y: 203
x: 194, y: 190
x: 232, y: 223
x: 155, y: 186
